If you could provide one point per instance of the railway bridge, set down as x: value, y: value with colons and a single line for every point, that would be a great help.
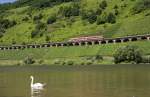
x: 80, y: 43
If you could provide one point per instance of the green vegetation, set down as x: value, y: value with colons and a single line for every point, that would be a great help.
x: 38, y: 21
x: 128, y: 54
x: 65, y: 19
x: 98, y: 54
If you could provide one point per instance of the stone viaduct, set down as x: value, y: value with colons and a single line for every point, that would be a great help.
x: 83, y: 43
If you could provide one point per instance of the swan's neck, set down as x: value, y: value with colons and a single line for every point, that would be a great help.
x: 32, y: 81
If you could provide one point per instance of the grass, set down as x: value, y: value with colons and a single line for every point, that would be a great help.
x: 62, y: 30
x: 77, y: 54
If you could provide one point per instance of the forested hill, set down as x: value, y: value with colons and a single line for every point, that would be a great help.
x: 36, y: 21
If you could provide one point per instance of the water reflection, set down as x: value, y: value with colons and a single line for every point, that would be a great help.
x: 36, y: 92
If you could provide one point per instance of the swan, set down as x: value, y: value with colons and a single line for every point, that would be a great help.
x: 36, y: 85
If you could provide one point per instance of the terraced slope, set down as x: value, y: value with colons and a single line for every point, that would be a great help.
x: 129, y: 20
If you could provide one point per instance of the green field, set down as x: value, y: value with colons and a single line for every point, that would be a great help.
x: 77, y: 54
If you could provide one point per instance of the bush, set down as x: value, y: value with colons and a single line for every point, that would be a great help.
x: 99, y: 11
x: 111, y: 18
x: 38, y: 17
x: 90, y: 15
x: 98, y: 57
x: 5, y: 23
x: 146, y: 59
x: 69, y: 62
x: 25, y: 18
x: 128, y: 54
x: 103, y: 4
x: 51, y: 19
x: 40, y: 26
x: 68, y: 11
x: 141, y: 6
x: 47, y: 3
x: 89, y: 62
x: 102, y: 19
x: 34, y: 33
x: 2, y: 31
x: 29, y: 60
x: 39, y: 29
x: 57, y: 62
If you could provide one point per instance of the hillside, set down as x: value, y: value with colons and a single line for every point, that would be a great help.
x: 37, y: 21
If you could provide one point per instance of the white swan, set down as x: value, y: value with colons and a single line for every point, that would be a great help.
x: 36, y: 85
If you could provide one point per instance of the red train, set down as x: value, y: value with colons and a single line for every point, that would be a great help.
x: 86, y: 38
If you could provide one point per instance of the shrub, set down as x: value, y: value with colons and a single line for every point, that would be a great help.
x: 98, y: 57
x: 2, y: 31
x: 5, y: 23
x: 41, y: 61
x: 47, y: 3
x: 38, y: 17
x: 116, y: 7
x: 51, y: 19
x: 89, y: 15
x: 29, y: 60
x: 102, y: 19
x: 116, y: 12
x: 99, y: 11
x: 69, y: 62
x: 40, y: 26
x: 128, y: 54
x: 89, y: 62
x: 111, y: 18
x: 68, y: 11
x: 34, y: 33
x: 25, y: 18
x: 140, y: 6
x: 146, y: 59
x: 103, y: 4
x: 47, y: 38
x: 57, y: 62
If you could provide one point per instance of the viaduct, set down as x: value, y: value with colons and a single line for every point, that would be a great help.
x: 83, y: 43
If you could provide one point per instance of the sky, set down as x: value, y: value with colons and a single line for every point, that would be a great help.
x: 6, y: 1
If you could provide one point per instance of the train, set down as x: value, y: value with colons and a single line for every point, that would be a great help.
x: 86, y: 39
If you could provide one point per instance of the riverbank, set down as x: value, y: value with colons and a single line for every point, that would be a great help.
x: 67, y: 55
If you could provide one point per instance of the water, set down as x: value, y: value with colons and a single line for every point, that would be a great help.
x: 77, y: 81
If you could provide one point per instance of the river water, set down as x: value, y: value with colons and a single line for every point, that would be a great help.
x: 76, y: 81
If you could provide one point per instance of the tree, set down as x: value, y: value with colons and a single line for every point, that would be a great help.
x: 111, y: 18
x: 102, y: 19
x: 89, y: 15
x: 68, y: 11
x: 103, y: 4
x: 141, y: 6
x: 128, y: 54
x: 51, y: 19
x: 29, y: 60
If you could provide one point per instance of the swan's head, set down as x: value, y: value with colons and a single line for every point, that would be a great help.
x: 31, y: 77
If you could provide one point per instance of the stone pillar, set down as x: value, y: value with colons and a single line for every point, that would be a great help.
x: 86, y: 43
x: 56, y: 45
x: 139, y: 38
x: 130, y: 39
x: 73, y: 44
x: 92, y: 42
x: 122, y: 40
x: 80, y: 44
x: 62, y: 45
x: 100, y: 42
x: 106, y: 41
x: 114, y: 41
